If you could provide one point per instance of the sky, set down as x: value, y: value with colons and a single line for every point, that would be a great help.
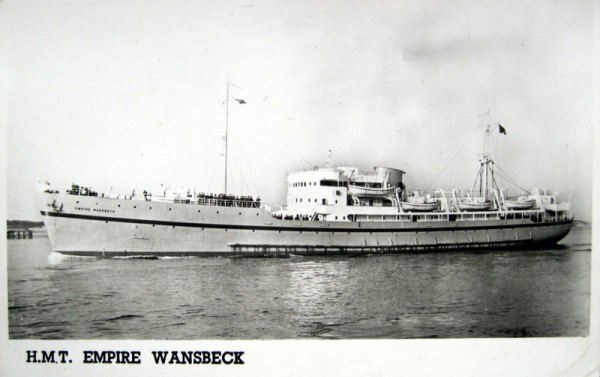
x: 122, y: 95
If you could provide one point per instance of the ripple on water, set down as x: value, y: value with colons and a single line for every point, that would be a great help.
x: 123, y: 317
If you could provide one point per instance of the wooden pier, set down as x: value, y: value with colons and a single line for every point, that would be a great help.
x: 18, y: 234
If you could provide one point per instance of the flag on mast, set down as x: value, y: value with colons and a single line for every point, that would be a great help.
x: 240, y: 101
x: 501, y: 129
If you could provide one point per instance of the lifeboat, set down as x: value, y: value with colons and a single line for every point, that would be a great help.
x: 364, y: 191
x: 420, y: 207
x: 469, y: 205
x: 520, y: 203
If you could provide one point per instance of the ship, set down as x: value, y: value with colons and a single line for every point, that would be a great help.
x: 329, y: 210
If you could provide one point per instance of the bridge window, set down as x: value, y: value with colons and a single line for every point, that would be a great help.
x: 329, y: 182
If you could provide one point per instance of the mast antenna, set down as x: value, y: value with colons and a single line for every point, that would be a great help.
x: 226, y: 129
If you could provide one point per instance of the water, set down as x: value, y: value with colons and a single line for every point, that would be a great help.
x: 518, y: 293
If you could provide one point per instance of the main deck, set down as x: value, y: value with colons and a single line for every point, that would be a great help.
x: 91, y: 225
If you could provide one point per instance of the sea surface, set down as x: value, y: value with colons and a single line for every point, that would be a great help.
x: 516, y: 293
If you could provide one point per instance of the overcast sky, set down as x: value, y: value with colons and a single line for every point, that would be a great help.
x: 130, y: 94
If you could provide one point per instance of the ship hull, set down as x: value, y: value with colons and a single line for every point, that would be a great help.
x: 92, y: 226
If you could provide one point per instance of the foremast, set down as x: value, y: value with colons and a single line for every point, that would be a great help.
x: 226, y: 131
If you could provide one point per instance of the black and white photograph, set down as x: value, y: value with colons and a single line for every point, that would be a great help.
x: 299, y: 188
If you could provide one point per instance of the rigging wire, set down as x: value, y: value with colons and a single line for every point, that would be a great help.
x: 245, y: 158
x: 309, y: 163
x: 212, y: 177
x: 477, y: 178
x: 510, y: 180
x: 452, y: 158
x: 241, y: 170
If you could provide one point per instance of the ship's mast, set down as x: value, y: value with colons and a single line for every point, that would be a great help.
x: 226, y: 130
x: 485, y: 160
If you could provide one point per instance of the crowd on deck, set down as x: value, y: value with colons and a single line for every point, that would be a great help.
x: 83, y: 191
x: 227, y: 200
x: 224, y: 200
x: 292, y: 217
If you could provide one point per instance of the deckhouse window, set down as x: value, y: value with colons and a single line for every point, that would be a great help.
x: 329, y: 182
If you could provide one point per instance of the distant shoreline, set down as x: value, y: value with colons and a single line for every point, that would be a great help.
x: 23, y: 224
x: 581, y: 223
